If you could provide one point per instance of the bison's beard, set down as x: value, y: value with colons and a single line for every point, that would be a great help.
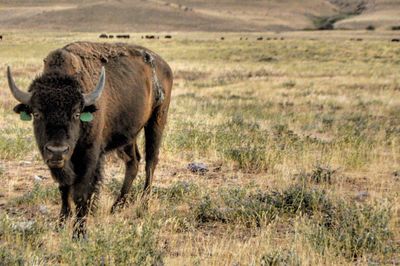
x: 64, y: 176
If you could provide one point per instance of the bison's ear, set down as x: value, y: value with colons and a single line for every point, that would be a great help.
x: 22, y: 108
x: 24, y: 112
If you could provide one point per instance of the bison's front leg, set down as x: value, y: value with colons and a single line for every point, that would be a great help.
x: 82, y: 194
x: 82, y: 202
x: 65, y: 205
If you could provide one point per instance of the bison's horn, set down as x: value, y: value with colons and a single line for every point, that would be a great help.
x: 21, y: 96
x: 91, y: 98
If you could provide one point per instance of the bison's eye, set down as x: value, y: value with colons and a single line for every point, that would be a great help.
x: 77, y: 115
x: 36, y: 115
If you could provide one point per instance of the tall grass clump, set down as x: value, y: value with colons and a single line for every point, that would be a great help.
x: 243, y: 142
x: 282, y: 257
x: 15, y: 142
x: 257, y: 208
x: 350, y: 229
x: 116, y: 244
x: 38, y: 194
x: 353, y: 230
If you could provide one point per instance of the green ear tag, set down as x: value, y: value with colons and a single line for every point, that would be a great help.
x: 25, y: 116
x: 86, y: 117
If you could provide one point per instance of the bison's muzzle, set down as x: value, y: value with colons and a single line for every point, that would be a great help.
x: 55, y: 156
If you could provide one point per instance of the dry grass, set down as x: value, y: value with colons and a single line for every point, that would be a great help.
x: 301, y: 138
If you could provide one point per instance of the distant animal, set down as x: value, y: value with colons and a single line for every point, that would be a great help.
x: 123, y: 36
x: 84, y: 108
x: 103, y: 36
x: 168, y: 37
x: 150, y: 36
x: 395, y: 40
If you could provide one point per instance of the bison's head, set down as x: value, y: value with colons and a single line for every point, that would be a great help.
x: 58, y: 107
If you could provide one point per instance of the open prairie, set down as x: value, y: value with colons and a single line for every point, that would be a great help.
x: 300, y: 134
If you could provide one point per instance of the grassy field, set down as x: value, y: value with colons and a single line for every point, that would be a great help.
x: 301, y: 137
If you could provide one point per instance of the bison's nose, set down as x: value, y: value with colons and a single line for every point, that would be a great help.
x: 57, y: 149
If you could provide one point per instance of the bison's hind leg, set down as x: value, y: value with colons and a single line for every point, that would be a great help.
x: 153, y: 135
x: 131, y: 156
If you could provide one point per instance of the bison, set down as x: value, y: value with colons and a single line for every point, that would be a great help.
x: 123, y: 36
x: 92, y: 99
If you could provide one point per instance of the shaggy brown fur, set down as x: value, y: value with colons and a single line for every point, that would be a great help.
x: 126, y: 106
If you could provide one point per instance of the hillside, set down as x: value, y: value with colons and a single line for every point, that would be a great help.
x: 195, y: 15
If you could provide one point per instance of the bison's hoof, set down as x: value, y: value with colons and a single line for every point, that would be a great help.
x: 117, y: 207
x: 79, y: 235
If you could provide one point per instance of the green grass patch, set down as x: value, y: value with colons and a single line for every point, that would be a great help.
x: 38, y: 194
x: 16, y: 142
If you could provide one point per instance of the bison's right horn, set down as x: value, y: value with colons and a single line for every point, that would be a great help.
x: 21, y: 96
x: 95, y: 95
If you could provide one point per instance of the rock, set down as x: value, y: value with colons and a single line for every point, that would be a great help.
x: 23, y: 226
x: 38, y: 178
x: 199, y: 168
x: 361, y: 196
x: 43, y: 209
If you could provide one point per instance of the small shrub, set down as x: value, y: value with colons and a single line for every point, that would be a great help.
x: 254, y: 209
x: 353, y: 230
x: 251, y: 158
x: 320, y: 174
x: 370, y: 27
x: 279, y: 258
x: 207, y: 212
x: 176, y: 192
x: 119, y: 244
x: 289, y: 84
x: 395, y: 27
x: 115, y: 185
x: 325, y: 23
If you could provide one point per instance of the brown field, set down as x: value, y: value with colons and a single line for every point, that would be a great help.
x: 300, y: 133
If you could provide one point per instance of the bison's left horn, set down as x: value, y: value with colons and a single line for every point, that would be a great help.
x: 91, y: 98
x: 21, y: 96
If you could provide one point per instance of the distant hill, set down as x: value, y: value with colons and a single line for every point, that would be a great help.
x: 197, y: 15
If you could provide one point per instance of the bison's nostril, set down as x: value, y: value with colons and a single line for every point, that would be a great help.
x: 57, y: 149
